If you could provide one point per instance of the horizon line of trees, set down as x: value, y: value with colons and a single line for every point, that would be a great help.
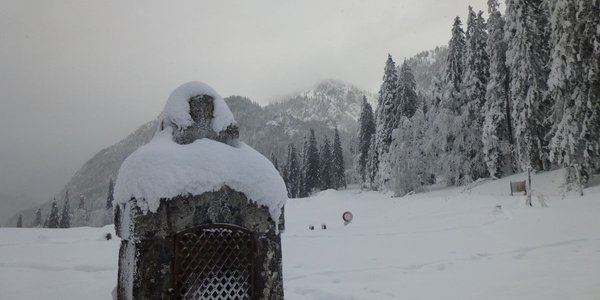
x: 64, y: 218
x: 517, y: 91
x: 316, y: 168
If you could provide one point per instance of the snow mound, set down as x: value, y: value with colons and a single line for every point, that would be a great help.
x: 177, y: 109
x: 163, y: 169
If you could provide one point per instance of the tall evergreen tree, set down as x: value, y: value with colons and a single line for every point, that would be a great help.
x: 455, y: 69
x: 294, y: 173
x: 497, y: 138
x: 366, y: 130
x: 527, y: 56
x: 53, y: 218
x: 386, y: 116
x: 338, y: 167
x: 312, y: 164
x: 325, y: 171
x: 38, y: 218
x: 588, y: 24
x: 20, y: 222
x: 407, y: 92
x: 110, y: 197
x: 573, y: 84
x: 302, y: 191
x: 450, y: 101
x: 302, y: 187
x: 407, y: 157
x: 372, y: 163
x: 468, y: 124
x: 81, y: 217
x: 65, y: 219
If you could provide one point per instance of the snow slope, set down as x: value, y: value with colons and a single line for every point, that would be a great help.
x: 451, y: 243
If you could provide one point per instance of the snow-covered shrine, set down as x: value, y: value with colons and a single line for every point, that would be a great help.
x: 198, y: 210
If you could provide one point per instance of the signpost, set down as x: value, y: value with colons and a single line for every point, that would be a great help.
x: 347, y: 217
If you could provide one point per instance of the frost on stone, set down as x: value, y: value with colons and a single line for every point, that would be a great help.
x: 201, y: 161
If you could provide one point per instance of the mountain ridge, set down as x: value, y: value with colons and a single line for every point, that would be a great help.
x: 269, y: 129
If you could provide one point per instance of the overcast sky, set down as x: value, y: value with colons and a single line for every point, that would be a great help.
x: 77, y: 76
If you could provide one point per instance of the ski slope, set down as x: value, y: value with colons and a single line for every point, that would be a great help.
x: 452, y: 243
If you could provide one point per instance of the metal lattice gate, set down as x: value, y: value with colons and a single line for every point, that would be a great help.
x: 214, y: 262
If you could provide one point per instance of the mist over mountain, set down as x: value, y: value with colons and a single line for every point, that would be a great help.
x: 12, y: 204
x: 269, y: 129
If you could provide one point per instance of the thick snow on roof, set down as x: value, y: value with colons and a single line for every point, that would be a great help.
x: 177, y: 109
x: 165, y: 169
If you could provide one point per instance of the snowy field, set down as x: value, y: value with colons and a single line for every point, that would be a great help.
x: 452, y: 243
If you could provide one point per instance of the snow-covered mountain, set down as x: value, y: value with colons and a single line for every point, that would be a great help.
x: 333, y: 102
x: 269, y: 129
x: 426, y: 65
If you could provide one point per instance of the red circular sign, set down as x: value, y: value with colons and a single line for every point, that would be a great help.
x: 347, y: 216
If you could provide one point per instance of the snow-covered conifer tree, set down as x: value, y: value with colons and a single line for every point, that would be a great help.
x: 312, y: 164
x: 338, y: 169
x: 526, y: 58
x: 452, y: 82
x: 588, y: 23
x: 402, y: 140
x: 366, y: 129
x: 372, y: 163
x: 110, y: 198
x: 497, y: 127
x: 386, y: 117
x: 294, y: 173
x: 65, y: 218
x: 467, y: 126
x: 53, y: 218
x: 325, y: 171
x: 20, y: 222
x: 81, y: 217
x: 302, y: 191
x: 573, y: 84
x: 38, y: 218
x: 407, y: 91
x: 407, y: 156
x: 448, y: 105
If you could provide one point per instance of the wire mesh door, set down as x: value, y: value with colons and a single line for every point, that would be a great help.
x: 214, y: 262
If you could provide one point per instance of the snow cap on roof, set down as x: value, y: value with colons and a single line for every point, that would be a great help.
x: 164, y: 169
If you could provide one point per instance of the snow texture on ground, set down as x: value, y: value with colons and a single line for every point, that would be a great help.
x: 452, y: 243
